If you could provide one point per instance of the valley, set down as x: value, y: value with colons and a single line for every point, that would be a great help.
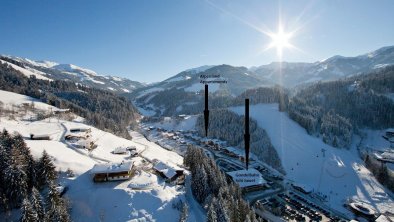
x: 309, y: 149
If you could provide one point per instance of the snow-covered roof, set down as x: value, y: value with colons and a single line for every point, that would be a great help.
x: 391, y: 130
x: 62, y: 110
x: 385, y: 156
x: 362, y: 207
x: 304, y: 187
x: 111, y: 167
x: 247, y: 178
x: 120, y: 149
x: 382, y: 218
x: 168, y: 171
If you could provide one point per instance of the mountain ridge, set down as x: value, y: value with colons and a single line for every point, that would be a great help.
x: 50, y: 70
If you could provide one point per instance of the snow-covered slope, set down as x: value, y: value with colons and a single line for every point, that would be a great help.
x: 26, y: 71
x: 54, y: 71
x: 292, y: 74
x: 339, y: 174
x: 112, y: 201
x: 176, y: 94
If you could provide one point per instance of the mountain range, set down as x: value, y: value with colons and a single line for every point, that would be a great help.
x: 54, y: 71
x: 336, y: 67
x: 238, y: 79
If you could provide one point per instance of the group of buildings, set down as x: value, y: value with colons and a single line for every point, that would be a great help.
x: 125, y: 170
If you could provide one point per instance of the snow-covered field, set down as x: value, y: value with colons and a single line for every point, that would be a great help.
x: 340, y: 174
x: 110, y: 201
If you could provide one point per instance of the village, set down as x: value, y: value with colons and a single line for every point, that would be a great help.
x: 139, y: 166
x: 272, y: 196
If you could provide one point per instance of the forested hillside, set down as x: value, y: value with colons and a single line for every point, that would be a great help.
x: 228, y: 126
x: 102, y: 109
x: 24, y: 178
x: 337, y: 109
x: 172, y: 102
x: 222, y: 200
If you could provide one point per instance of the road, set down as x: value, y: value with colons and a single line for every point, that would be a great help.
x: 63, y: 140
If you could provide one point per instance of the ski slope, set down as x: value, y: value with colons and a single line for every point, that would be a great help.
x: 111, y: 201
x: 339, y: 174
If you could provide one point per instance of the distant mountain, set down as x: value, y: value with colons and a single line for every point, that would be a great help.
x: 237, y: 79
x: 54, y: 71
x: 336, y: 67
x: 181, y: 93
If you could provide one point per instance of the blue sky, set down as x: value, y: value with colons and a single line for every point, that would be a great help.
x: 152, y: 40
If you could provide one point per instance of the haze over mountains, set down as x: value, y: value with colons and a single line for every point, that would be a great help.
x: 238, y: 79
x: 329, y: 69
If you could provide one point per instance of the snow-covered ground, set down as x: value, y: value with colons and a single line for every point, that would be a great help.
x: 27, y: 72
x: 110, y: 201
x: 340, y: 174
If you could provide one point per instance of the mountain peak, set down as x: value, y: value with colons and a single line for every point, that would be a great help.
x: 72, y: 68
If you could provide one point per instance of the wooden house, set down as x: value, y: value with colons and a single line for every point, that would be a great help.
x: 111, y: 171
x: 170, y: 173
x: 40, y: 137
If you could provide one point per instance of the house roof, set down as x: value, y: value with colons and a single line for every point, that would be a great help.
x: 111, y: 167
x: 247, y: 178
x: 168, y: 171
x: 120, y: 149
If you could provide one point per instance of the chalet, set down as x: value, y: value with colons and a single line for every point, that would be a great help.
x: 130, y: 148
x: 60, y: 111
x: 133, y: 153
x: 77, y: 130
x: 75, y: 137
x: 120, y: 150
x: 386, y: 156
x: 40, y: 137
x: 111, y: 171
x: 169, y: 173
x: 84, y: 144
x: 390, y: 133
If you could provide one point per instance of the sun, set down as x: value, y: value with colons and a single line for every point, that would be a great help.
x: 280, y: 40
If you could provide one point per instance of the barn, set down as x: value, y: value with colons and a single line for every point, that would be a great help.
x: 170, y: 173
x: 111, y: 171
x: 40, y: 137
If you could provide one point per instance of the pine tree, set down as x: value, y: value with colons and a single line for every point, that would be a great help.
x: 37, y: 203
x: 211, y: 214
x: 45, y: 169
x: 222, y: 211
x: 28, y: 214
x: 184, y: 213
x: 56, y: 206
x: 16, y: 186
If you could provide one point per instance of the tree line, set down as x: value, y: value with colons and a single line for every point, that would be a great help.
x: 337, y: 109
x: 228, y: 126
x: 102, y: 109
x: 222, y: 200
x: 168, y: 101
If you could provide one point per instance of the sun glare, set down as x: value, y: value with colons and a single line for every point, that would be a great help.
x: 280, y: 40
